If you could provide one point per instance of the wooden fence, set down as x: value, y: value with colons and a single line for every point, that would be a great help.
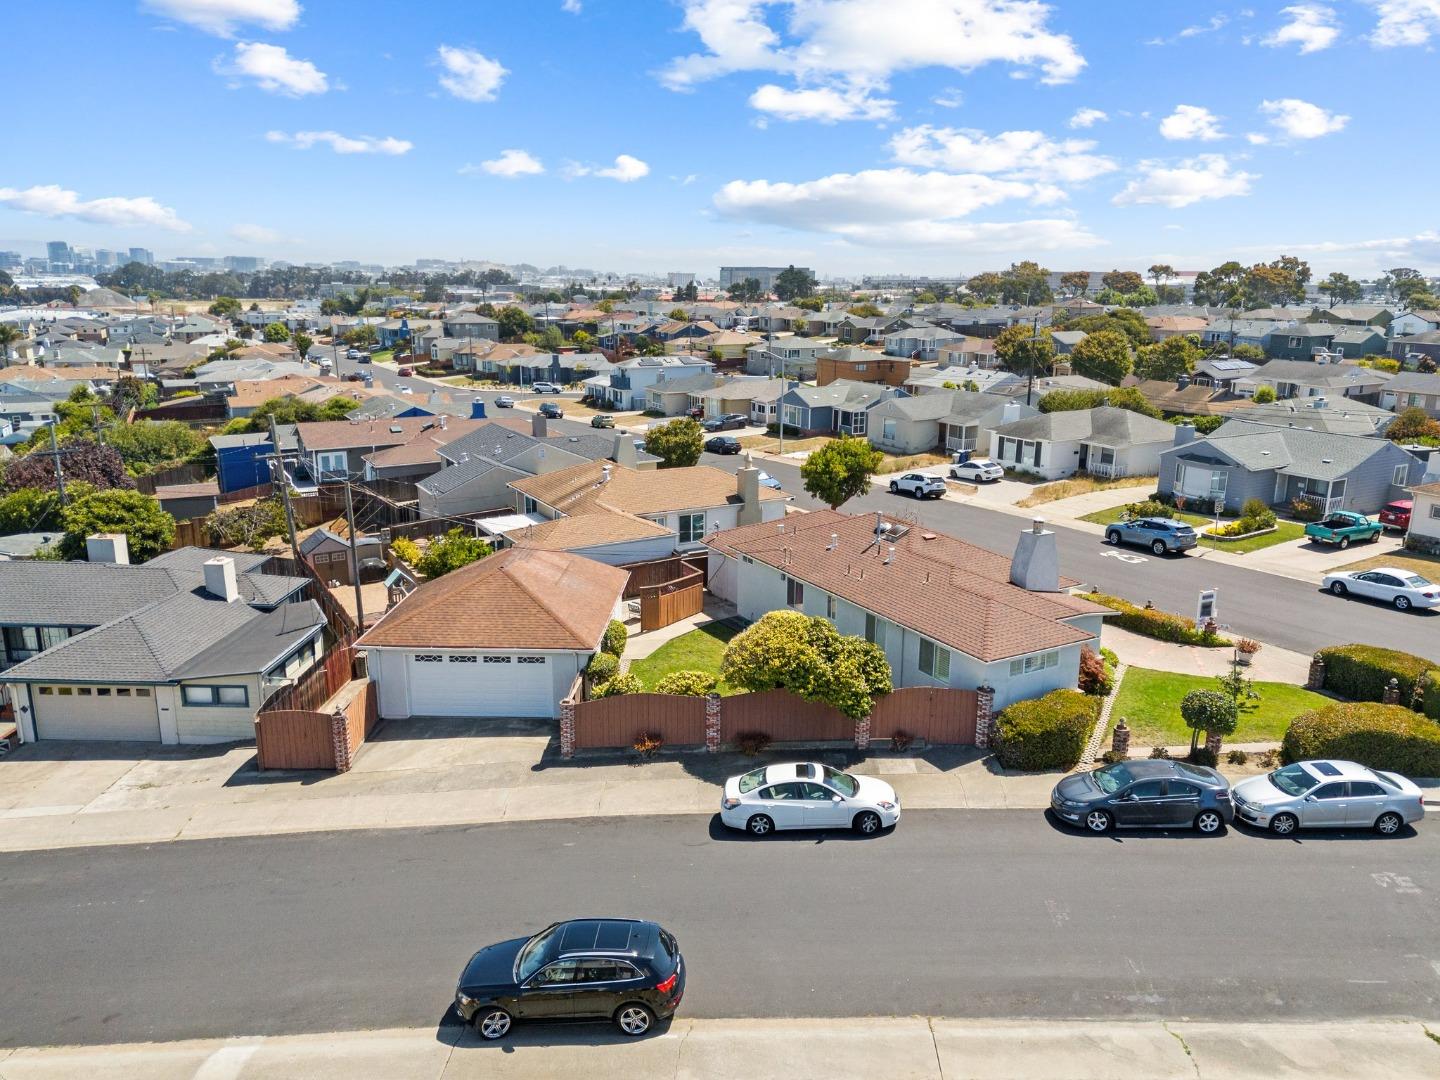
x: 341, y: 623
x: 661, y: 605
x: 176, y: 474
x: 660, y: 572
x: 616, y: 721
x: 259, y: 491
x: 318, y: 685
x: 932, y: 713
x: 324, y: 738
x: 784, y: 717
x: 191, y: 534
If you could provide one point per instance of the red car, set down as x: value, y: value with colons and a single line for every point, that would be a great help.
x: 1396, y: 515
x: 405, y: 372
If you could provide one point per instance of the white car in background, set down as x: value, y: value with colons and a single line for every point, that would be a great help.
x: 1403, y: 589
x: 981, y: 470
x: 807, y: 795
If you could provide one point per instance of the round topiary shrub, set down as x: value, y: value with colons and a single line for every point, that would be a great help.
x: 614, y: 640
x: 687, y: 683
x: 602, y: 668
x: 1046, y: 733
x: 620, y: 684
x: 1388, y: 737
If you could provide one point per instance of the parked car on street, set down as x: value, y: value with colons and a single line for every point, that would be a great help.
x: 1343, y: 528
x: 807, y: 795
x: 546, y: 388
x: 406, y: 372
x: 354, y: 376
x: 766, y: 480
x: 353, y: 354
x: 622, y: 970
x: 1145, y: 794
x: 1396, y: 515
x: 602, y: 421
x: 363, y: 358
x: 1328, y: 795
x: 920, y: 485
x: 729, y: 422
x: 504, y: 401
x: 977, y: 470
x: 1404, y: 589
x: 1160, y: 535
x: 723, y: 444
x: 696, y: 413
x: 406, y: 390
x: 551, y: 411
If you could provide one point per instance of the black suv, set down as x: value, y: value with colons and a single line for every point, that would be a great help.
x: 722, y: 444
x: 550, y: 410
x: 621, y: 970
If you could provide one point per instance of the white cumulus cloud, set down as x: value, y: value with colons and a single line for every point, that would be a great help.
x: 1312, y: 27
x: 572, y: 7
x: 221, y: 17
x: 256, y: 234
x: 53, y: 201
x: 275, y: 70
x: 625, y: 169
x: 1302, y: 120
x: 1191, y: 122
x: 824, y: 103
x: 342, y: 144
x: 1087, y: 118
x: 1405, y: 22
x: 1027, y: 154
x: 469, y: 74
x: 511, y: 164
x: 1197, y: 179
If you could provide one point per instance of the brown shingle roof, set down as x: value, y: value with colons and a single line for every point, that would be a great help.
x: 517, y: 599
x: 604, y: 526
x: 948, y: 590
x: 422, y: 449
x: 346, y: 434
x: 581, y: 489
x: 251, y: 393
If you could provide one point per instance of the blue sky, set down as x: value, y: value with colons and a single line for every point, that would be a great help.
x: 849, y: 135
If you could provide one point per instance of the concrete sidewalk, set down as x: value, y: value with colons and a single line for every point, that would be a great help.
x: 910, y: 1048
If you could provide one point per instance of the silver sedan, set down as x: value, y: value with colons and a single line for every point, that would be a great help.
x: 1328, y: 794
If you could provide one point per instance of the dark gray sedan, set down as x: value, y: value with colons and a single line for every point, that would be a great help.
x: 1148, y: 794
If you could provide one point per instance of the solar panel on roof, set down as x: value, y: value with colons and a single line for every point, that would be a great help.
x: 1324, y: 768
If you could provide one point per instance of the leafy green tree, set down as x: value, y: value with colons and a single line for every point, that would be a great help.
x: 276, y: 332
x: 1122, y: 281
x: 551, y: 339
x: 1248, y: 352
x: 1412, y: 425
x: 1103, y: 355
x: 455, y: 549
x: 149, y: 530
x: 128, y: 393
x: 302, y: 342
x: 1026, y: 283
x: 810, y: 303
x: 1126, y: 321
x: 1169, y: 294
x: 29, y: 510
x: 677, y: 444
x: 1130, y: 398
x: 9, y: 334
x: 648, y: 346
x: 583, y: 341
x: 1076, y: 283
x: 792, y: 283
x: 865, y: 310
x: 226, y: 307
x: 607, y: 306
x: 1160, y: 272
x: 985, y: 286
x: 1169, y: 359
x: 1264, y: 394
x: 247, y: 526
x: 1341, y: 289
x: 1211, y: 711
x: 148, y: 444
x: 678, y: 315
x: 360, y: 336
x: 747, y: 291
x: 1070, y: 400
x: 514, y: 322
x: 1023, y: 350
x: 809, y: 657
x: 840, y: 470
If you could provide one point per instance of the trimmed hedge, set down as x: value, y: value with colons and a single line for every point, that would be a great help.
x: 1043, y: 733
x: 1154, y: 623
x: 602, y: 667
x: 615, y: 636
x: 686, y: 683
x: 1389, y: 737
x: 624, y: 683
x: 1361, y: 673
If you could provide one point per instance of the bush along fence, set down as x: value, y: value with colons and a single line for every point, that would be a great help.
x: 1370, y: 673
x: 1161, y: 625
x: 936, y: 714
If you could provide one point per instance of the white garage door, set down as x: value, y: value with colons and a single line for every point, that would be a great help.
x: 480, y: 684
x: 95, y: 712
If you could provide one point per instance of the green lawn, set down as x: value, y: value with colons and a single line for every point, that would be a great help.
x: 384, y: 356
x: 1285, y: 530
x: 699, y: 650
x: 1150, y: 703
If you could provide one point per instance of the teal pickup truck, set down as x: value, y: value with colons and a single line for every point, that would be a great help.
x: 1343, y: 528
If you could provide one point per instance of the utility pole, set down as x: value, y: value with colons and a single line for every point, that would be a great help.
x: 277, y: 465
x: 59, y: 469
x: 354, y: 557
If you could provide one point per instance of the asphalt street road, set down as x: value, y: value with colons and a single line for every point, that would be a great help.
x: 955, y: 913
x: 1289, y: 613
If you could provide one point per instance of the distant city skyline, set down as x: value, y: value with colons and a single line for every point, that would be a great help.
x: 853, y: 136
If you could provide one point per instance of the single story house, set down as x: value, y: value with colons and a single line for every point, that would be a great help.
x: 1345, y: 417
x: 1353, y: 342
x: 1240, y: 461
x: 1223, y: 330
x: 945, y: 612
x: 1373, y: 315
x: 919, y: 342
x: 1104, y: 442
x: 626, y: 384
x: 1168, y: 326
x: 1412, y: 390
x: 675, y: 395
x: 841, y: 407
x: 968, y: 352
x: 754, y: 395
x: 1424, y: 534
x: 957, y: 420
x: 503, y: 637
x: 1299, y: 342
x: 1315, y: 378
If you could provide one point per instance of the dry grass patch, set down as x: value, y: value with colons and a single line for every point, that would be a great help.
x: 1427, y: 566
x: 769, y: 444
x: 1082, y: 485
x: 914, y: 461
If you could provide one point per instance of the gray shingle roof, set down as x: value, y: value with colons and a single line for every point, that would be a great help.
x: 1414, y: 382
x: 1317, y: 454
x: 1309, y: 373
x: 1106, y: 425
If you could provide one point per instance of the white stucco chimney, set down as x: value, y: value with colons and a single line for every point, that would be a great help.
x: 220, y: 579
x: 108, y: 547
x: 1036, y: 563
x: 625, y: 450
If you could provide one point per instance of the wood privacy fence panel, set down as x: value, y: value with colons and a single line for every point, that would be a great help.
x: 661, y: 605
x: 935, y: 714
x: 318, y: 685
x: 259, y: 491
x: 661, y: 572
x: 294, y: 739
x: 784, y: 717
x: 615, y: 721
x: 191, y: 534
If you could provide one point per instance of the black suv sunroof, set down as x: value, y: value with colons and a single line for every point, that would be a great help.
x: 1324, y: 768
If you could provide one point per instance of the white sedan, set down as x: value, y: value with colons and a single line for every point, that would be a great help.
x: 1404, y: 589
x: 807, y: 795
x: 977, y: 469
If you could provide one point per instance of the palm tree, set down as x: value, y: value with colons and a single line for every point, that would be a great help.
x: 9, y: 334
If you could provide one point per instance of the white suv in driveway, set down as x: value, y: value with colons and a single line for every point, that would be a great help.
x: 920, y: 485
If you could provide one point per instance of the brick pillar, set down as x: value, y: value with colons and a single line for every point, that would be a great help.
x: 862, y: 733
x: 1213, y: 741
x: 340, y: 740
x: 1316, y: 679
x: 1120, y: 737
x: 984, y: 716
x: 712, y: 723
x: 1392, y: 692
x: 567, y: 729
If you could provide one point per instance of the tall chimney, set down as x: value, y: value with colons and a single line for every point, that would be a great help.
x: 444, y: 421
x: 539, y: 426
x: 220, y: 579
x: 1184, y: 433
x: 625, y: 450
x: 1010, y: 412
x: 747, y: 486
x: 108, y: 547
x: 1036, y: 564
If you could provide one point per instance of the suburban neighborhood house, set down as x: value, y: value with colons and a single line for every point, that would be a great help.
x: 505, y: 636
x: 182, y: 649
x: 946, y: 612
x: 1424, y: 535
x: 1105, y: 442
x: 689, y: 503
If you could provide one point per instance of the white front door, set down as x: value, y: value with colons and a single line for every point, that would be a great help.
x: 481, y: 684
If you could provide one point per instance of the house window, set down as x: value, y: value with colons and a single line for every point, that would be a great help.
x: 457, y: 659
x: 794, y: 592
x: 1037, y: 662
x: 46, y: 690
x: 530, y: 659
x: 692, y: 528
x: 122, y: 691
x: 498, y: 659
x: 1293, y: 343
x: 832, y: 608
x: 228, y: 696
x: 529, y: 505
x: 428, y: 658
x: 934, y: 659
x: 1401, y: 475
x: 887, y: 430
x: 860, y: 367
x: 793, y: 417
x: 875, y: 629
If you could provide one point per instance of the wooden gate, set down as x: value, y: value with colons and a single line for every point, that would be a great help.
x: 661, y: 605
